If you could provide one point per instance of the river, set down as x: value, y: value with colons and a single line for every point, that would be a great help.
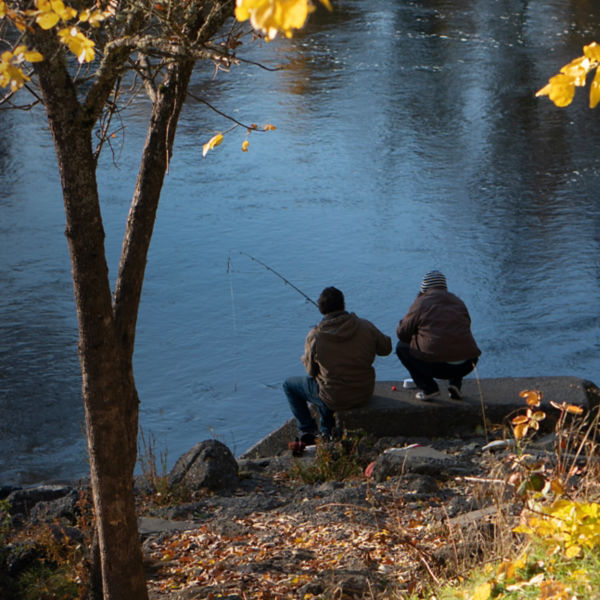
x: 408, y: 138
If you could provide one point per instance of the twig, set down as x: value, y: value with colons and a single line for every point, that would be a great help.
x: 452, y: 539
x: 482, y: 480
x: 368, y: 509
x: 226, y: 116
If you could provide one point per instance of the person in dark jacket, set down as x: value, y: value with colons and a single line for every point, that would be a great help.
x: 338, y: 357
x: 436, y: 340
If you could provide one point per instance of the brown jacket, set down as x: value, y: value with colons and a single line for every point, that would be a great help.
x: 339, y: 353
x: 438, y: 328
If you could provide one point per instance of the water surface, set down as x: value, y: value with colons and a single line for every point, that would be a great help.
x: 408, y: 138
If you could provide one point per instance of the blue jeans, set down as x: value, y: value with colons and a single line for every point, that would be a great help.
x: 299, y: 392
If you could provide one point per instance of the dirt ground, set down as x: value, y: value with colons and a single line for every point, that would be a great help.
x: 388, y: 535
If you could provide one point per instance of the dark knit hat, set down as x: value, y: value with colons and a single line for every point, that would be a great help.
x: 433, y: 279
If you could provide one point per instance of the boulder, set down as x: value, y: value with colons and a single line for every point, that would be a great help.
x: 419, y: 459
x: 63, y: 507
x: 24, y: 499
x: 209, y: 464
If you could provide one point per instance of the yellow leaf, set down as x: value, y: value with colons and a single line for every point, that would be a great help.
x: 520, y: 430
x: 51, y: 11
x: 81, y: 46
x: 47, y: 20
x: 245, y: 145
x: 242, y: 12
x: 592, y: 51
x: 94, y: 18
x: 64, y: 12
x: 483, y: 592
x: 212, y: 143
x: 560, y: 89
x: 520, y: 420
x: 2, y: 9
x: 553, y: 590
x: 577, y: 69
x: 532, y: 397
x: 11, y: 73
x: 293, y: 15
x: 572, y: 551
x: 274, y: 16
x: 570, y: 408
x: 269, y: 127
x: 33, y: 56
x: 557, y: 487
x: 327, y: 5
x: 20, y: 54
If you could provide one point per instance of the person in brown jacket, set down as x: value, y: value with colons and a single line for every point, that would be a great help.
x: 436, y: 340
x: 338, y: 356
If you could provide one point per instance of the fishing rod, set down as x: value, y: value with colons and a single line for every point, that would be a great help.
x: 287, y: 281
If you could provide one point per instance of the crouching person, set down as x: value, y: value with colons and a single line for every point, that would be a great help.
x: 435, y: 339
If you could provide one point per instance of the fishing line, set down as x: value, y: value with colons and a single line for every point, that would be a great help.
x: 284, y: 279
x: 236, y: 345
x: 233, y: 317
x: 482, y: 403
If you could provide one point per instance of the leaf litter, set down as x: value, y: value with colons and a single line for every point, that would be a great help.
x: 352, y: 539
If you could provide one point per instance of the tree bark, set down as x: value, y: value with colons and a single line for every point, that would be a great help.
x: 109, y: 393
x: 107, y: 323
x: 107, y: 331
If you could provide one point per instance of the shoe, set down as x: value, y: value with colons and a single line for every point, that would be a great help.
x: 297, y: 447
x: 308, y: 439
x: 454, y: 392
x: 423, y: 396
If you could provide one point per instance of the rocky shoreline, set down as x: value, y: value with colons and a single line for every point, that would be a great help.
x: 426, y: 506
x: 407, y: 511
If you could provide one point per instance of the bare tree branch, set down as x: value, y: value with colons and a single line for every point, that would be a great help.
x: 225, y: 115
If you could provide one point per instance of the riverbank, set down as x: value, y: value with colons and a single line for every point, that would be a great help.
x: 365, y: 517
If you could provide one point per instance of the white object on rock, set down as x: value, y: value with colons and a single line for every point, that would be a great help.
x: 499, y: 444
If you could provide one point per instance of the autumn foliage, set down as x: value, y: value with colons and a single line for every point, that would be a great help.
x: 276, y: 16
x: 561, y: 87
x: 73, y: 28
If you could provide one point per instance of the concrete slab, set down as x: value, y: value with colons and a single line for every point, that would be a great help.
x: 394, y: 411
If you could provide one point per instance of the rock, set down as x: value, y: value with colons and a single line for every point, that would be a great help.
x: 23, y: 500
x: 422, y: 484
x: 6, y: 490
x: 420, y: 459
x: 209, y: 464
x: 460, y: 505
x: 64, y: 507
x: 21, y: 556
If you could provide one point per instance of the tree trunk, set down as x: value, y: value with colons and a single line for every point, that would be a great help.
x: 107, y: 332
x: 107, y: 325
x: 109, y: 393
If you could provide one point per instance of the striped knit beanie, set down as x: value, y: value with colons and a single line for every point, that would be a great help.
x: 433, y: 279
